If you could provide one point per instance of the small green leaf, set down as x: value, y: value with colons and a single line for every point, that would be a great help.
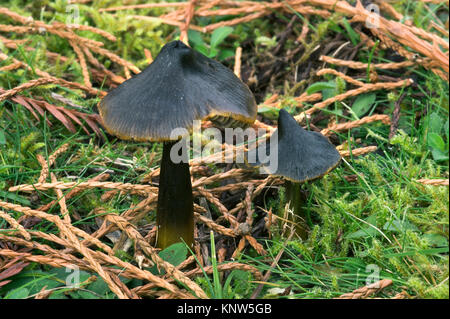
x: 83, y: 294
x: 266, y: 41
x: 439, y: 155
x: 219, y: 35
x: 435, y: 141
x: 174, y: 254
x: 195, y: 38
x: 2, y: 138
x: 354, y: 37
x: 435, y: 123
x: 446, y: 130
x: 328, y: 93
x: 362, y: 233
x: 202, y: 49
x: 19, y: 293
x: 99, y: 286
x: 367, y: 231
x: 320, y: 86
x: 363, y: 103
x: 225, y: 54
x: 335, y: 27
x: 59, y: 294
x: 213, y: 52
x: 436, y: 240
x: 269, y: 112
x: 399, y: 226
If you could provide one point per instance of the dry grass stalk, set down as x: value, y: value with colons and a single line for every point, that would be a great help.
x: 273, y: 102
x: 62, y: 202
x: 264, y: 183
x: 83, y: 64
x: 51, y: 160
x: 402, y: 295
x: 236, y: 173
x: 443, y: 31
x: 245, y: 231
x: 25, y: 86
x: 65, y: 31
x: 101, y: 32
x: 51, y: 79
x: 386, y: 7
x: 114, y: 57
x: 131, y: 232
x: 358, y: 151
x: 189, y: 14
x: 237, y: 62
x: 214, y: 226
x: 363, y: 66
x: 398, y: 31
x: 13, y: 66
x: 44, y: 293
x: 415, y: 38
x: 369, y: 87
x: 216, y: 202
x: 166, y: 21
x: 232, y: 22
x: 187, y: 262
x: 17, y: 227
x: 75, y: 191
x: 341, y: 75
x: 93, y: 61
x: 146, y: 6
x: 142, y: 189
x: 433, y: 182
x: 44, y: 170
x: 66, y: 230
x: 385, y: 119
x: 59, y: 259
x: 91, y: 255
x: 367, y: 291
x: 51, y: 261
x: 233, y: 187
x: 265, y: 7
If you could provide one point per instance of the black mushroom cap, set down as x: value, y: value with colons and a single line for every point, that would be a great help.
x: 180, y: 86
x: 302, y: 155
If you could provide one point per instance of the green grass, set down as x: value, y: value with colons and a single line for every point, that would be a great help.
x: 382, y: 224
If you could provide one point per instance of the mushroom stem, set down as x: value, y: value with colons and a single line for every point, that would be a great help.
x: 175, y: 211
x: 295, y: 200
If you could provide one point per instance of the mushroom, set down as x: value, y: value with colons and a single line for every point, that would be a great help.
x: 302, y: 156
x: 179, y: 87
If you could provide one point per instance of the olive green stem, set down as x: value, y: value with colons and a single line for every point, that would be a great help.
x: 175, y: 211
x: 294, y: 198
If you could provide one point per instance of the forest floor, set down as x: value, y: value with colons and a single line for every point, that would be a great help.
x: 77, y: 205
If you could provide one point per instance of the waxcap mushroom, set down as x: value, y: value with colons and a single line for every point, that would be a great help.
x: 302, y: 155
x: 180, y: 86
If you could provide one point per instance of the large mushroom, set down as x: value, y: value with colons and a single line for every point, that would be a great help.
x: 179, y: 87
x: 302, y: 156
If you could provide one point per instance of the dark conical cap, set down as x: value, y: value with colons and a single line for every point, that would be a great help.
x: 302, y: 155
x: 180, y: 86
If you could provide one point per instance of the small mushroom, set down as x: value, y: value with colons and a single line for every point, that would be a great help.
x: 179, y: 87
x: 302, y: 156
